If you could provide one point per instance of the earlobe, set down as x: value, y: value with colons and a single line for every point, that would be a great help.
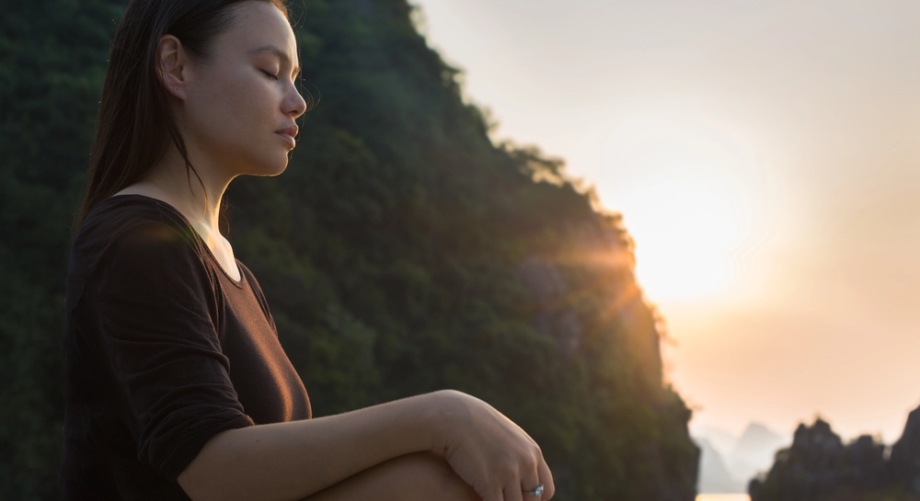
x: 171, y: 65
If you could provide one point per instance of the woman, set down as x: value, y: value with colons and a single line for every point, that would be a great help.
x: 176, y: 386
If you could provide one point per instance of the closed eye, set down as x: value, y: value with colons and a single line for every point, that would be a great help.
x: 269, y: 74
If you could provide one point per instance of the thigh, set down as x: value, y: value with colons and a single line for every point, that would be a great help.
x: 415, y: 477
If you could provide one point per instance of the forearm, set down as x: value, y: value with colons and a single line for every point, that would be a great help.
x: 289, y: 461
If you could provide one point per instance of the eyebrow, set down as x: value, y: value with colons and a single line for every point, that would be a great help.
x: 279, y: 54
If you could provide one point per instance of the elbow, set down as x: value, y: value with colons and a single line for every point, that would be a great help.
x: 195, y: 485
x: 200, y: 479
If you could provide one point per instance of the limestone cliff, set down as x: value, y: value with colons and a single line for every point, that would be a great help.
x: 820, y: 467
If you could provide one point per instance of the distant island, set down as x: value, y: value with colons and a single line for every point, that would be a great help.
x: 818, y: 466
x: 727, y: 461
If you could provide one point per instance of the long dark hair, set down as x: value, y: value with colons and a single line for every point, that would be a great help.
x: 135, y: 123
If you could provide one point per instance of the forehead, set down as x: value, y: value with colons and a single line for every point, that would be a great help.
x: 258, y: 24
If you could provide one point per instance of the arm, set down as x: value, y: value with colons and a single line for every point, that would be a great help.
x: 295, y: 460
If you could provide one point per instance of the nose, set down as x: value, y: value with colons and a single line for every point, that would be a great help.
x: 294, y: 103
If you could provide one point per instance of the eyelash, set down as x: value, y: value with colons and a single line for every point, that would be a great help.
x: 270, y: 75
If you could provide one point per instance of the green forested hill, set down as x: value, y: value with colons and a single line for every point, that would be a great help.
x: 402, y: 251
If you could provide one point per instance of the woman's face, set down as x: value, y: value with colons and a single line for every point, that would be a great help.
x: 240, y: 104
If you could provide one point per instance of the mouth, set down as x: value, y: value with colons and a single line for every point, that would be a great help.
x: 289, y: 135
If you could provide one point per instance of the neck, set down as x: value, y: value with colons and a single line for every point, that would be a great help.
x: 199, y: 200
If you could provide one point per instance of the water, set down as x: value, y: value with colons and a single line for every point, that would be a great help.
x: 723, y: 497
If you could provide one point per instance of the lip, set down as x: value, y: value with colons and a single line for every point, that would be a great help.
x: 289, y: 134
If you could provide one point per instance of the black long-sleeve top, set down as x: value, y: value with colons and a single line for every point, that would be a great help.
x: 162, y: 351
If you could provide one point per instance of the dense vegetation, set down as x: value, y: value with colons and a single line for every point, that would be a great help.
x: 403, y: 251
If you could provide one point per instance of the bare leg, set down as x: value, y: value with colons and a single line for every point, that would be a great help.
x: 416, y: 477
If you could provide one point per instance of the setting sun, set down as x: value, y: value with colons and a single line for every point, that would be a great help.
x: 687, y: 194
x: 683, y: 249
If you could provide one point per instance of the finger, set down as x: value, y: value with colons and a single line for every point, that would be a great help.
x: 546, y: 477
x: 530, y: 477
x: 513, y: 493
x: 493, y: 495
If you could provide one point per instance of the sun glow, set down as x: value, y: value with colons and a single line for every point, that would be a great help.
x: 688, y: 195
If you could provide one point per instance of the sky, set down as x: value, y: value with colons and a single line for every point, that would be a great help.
x: 765, y: 155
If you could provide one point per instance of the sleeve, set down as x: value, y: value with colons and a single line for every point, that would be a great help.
x: 148, y: 305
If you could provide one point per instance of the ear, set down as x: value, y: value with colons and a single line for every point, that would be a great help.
x: 172, y: 65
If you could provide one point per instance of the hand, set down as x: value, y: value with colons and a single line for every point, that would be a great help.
x: 489, y: 451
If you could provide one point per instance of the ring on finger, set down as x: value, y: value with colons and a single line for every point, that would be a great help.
x: 536, y: 491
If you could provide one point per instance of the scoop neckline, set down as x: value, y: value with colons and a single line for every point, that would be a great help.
x: 238, y: 283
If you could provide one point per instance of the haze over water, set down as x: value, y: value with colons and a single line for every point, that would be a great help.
x: 723, y: 497
x: 766, y: 157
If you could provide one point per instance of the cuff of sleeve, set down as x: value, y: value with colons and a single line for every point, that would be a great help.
x: 174, y: 462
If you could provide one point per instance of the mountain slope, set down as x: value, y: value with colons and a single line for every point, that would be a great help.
x: 401, y: 252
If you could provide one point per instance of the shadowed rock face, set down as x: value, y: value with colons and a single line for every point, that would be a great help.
x: 603, y: 251
x: 544, y: 280
x: 905, y: 455
x: 583, y: 294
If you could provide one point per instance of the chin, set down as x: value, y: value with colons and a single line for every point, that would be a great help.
x: 268, y: 169
x: 277, y: 172
x: 271, y: 171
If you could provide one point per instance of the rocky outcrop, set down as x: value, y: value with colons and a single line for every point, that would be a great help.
x: 820, y: 467
x: 904, y: 463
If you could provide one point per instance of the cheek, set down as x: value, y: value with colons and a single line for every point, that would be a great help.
x: 248, y: 99
x: 229, y: 105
